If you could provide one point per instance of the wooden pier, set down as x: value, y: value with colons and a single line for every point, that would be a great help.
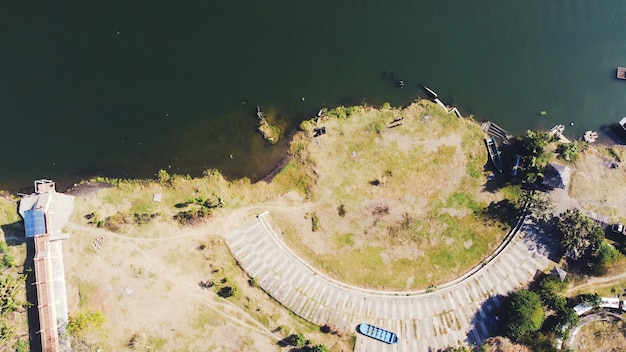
x: 440, y: 103
x: 621, y: 72
x: 494, y: 130
x: 558, y: 131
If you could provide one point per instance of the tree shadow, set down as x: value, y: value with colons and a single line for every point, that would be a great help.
x: 503, y: 211
x: 14, y: 234
x: 487, y: 320
x: 615, y: 132
x: 541, y: 240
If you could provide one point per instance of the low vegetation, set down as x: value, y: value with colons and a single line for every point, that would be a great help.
x: 13, y: 301
x: 584, y: 243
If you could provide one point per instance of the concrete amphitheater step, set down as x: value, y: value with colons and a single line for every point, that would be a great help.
x: 462, y: 312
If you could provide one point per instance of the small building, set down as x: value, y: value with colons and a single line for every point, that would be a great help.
x: 582, y: 308
x: 558, y: 272
x: 612, y: 303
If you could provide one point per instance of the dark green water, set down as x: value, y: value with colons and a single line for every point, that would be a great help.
x: 124, y: 88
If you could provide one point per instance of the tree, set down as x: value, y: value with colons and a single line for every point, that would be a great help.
x: 298, y: 340
x: 548, y: 289
x: 534, y: 145
x: 566, y: 319
x: 539, y: 204
x: 568, y: 151
x: 525, y: 313
x: 606, y: 255
x: 579, y: 234
x: 592, y: 299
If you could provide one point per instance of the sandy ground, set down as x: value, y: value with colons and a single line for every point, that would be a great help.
x: 146, y: 284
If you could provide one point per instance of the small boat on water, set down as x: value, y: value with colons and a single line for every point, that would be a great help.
x: 621, y: 72
x: 494, y: 154
x: 378, y: 333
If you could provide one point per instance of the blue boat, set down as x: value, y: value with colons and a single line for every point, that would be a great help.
x: 378, y: 333
x: 494, y: 154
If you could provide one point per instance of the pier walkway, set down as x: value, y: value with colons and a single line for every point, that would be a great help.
x: 463, y: 311
x: 496, y: 131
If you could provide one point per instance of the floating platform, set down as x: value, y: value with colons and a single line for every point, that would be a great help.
x: 378, y: 333
x: 621, y: 72
x: 590, y: 136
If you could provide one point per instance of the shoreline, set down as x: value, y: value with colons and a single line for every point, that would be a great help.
x: 605, y: 140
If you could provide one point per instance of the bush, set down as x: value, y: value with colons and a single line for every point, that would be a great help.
x: 252, y: 282
x: 320, y: 348
x: 298, y: 340
x: 341, y: 210
x: 8, y: 261
x: 83, y: 322
x: 228, y: 291
x: 315, y: 223
x: 163, y: 176
x: 606, y: 255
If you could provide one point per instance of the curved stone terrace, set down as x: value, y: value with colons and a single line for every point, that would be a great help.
x: 462, y: 311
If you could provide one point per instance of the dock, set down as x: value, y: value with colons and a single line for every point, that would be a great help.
x: 494, y: 130
x: 621, y: 72
x: 440, y: 103
x: 558, y: 131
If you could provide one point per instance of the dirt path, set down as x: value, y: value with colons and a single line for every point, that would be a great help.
x: 593, y: 282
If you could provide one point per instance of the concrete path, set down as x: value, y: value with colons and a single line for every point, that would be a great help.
x: 462, y: 312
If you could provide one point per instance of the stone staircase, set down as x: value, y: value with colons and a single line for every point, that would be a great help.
x: 463, y: 312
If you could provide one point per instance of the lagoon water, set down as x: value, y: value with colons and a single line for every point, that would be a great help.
x: 124, y: 88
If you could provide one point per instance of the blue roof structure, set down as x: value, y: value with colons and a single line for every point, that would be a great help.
x: 34, y: 222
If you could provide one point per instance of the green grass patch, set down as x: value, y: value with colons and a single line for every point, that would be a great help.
x: 85, y: 289
x: 463, y: 200
x: 344, y: 239
x: 293, y: 178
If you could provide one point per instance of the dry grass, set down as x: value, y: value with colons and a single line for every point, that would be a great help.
x: 412, y: 197
x: 601, y: 336
x: 593, y: 181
